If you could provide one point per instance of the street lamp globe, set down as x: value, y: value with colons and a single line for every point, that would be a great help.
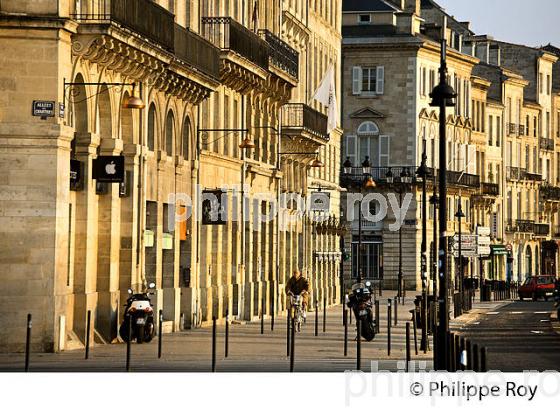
x: 443, y: 92
x: 369, y: 183
x: 406, y: 178
x: 366, y: 166
x: 347, y: 166
x: 389, y: 176
x: 317, y: 163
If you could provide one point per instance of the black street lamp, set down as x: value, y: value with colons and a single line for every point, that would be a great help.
x: 442, y: 96
x: 401, y: 186
x: 460, y: 215
x: 423, y: 173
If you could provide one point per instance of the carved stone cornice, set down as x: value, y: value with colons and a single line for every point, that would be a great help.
x: 155, y: 69
x: 241, y: 77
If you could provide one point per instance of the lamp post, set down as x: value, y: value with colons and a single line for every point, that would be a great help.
x: 367, y: 183
x: 401, y: 186
x: 423, y: 173
x: 460, y: 215
x: 442, y: 96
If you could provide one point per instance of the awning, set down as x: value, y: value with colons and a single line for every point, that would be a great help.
x: 498, y: 250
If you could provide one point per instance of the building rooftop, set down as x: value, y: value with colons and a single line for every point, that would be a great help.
x: 367, y: 5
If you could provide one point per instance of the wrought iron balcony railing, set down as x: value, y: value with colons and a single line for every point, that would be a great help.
x: 512, y: 128
x: 356, y: 175
x: 227, y: 34
x: 550, y: 193
x: 301, y: 117
x: 516, y: 174
x: 530, y: 176
x: 282, y: 56
x: 490, y: 189
x: 144, y: 17
x: 547, y: 144
x: 541, y: 229
x: 522, y: 130
x: 196, y: 51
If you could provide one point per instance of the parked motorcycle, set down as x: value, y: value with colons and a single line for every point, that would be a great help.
x: 296, y: 310
x: 360, y: 301
x: 139, y: 308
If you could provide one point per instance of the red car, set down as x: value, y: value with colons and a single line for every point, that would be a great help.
x: 537, y: 287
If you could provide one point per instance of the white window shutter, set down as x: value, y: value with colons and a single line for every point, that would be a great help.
x: 356, y: 80
x: 472, y: 168
x: 384, y: 150
x: 352, y: 149
x: 380, y: 85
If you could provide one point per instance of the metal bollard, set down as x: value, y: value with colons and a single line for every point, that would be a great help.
x: 415, y: 326
x: 160, y: 333
x: 483, y: 367
x: 377, y: 319
x: 345, y: 320
x: 358, y: 344
x: 468, y: 348
x: 213, y: 344
x: 128, y: 343
x: 288, y: 333
x: 272, y: 315
x: 262, y: 318
x: 475, y: 361
x: 396, y: 311
x: 28, y: 341
x: 226, y: 353
x: 462, y: 349
x: 407, y: 345
x: 88, y: 331
x: 316, y: 318
x: 324, y: 315
x: 389, y: 327
x: 293, y: 347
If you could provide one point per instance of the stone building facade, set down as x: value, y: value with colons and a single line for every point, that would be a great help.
x: 501, y: 147
x: 212, y: 75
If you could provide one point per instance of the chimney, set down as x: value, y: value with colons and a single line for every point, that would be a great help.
x: 495, y: 55
x: 398, y: 3
x: 412, y: 6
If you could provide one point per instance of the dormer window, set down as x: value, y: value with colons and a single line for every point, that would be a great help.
x: 364, y: 18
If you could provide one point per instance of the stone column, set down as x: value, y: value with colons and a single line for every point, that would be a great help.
x: 108, y: 250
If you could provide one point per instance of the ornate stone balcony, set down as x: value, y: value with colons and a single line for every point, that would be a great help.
x: 303, y: 128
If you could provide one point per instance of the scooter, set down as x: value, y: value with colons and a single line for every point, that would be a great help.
x: 361, y: 304
x: 139, y: 313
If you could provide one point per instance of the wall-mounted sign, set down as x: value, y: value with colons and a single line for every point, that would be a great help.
x: 76, y: 175
x: 213, y: 207
x: 108, y: 169
x: 167, y: 241
x: 61, y: 110
x: 43, y: 109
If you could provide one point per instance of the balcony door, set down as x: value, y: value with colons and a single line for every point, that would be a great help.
x: 367, y: 142
x: 371, y: 257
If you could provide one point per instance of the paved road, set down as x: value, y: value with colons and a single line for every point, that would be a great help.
x: 519, y: 336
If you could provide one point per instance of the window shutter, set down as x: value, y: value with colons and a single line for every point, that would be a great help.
x: 383, y: 150
x: 352, y: 149
x: 472, y: 168
x: 356, y: 80
x: 380, y: 85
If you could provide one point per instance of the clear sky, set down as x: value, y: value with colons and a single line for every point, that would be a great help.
x: 529, y: 22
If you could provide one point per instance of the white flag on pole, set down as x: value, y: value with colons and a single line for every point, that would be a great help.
x: 326, y: 95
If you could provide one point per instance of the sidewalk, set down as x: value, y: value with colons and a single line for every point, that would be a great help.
x: 478, y: 308
x: 249, y: 351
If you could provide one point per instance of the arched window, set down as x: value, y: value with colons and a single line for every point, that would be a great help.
x: 368, y: 128
x: 169, y: 133
x: 151, y: 127
x: 186, y: 137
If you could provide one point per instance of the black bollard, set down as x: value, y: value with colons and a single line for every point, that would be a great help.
x: 28, y: 341
x: 213, y: 344
x: 128, y: 343
x: 226, y: 353
x: 415, y: 327
x: 407, y: 345
x: 316, y: 318
x: 262, y: 318
x: 272, y: 316
x: 396, y: 311
x: 293, y: 347
x: 88, y: 331
x: 475, y: 361
x: 324, y: 315
x: 345, y: 320
x: 160, y: 334
x: 468, y: 348
x: 359, y: 344
x: 483, y: 367
x: 288, y: 333
x: 377, y: 319
x: 462, y: 349
x: 389, y: 327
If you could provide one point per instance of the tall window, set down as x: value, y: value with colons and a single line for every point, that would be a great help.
x: 369, y: 79
x: 151, y: 127
x: 490, y: 130
x: 169, y: 133
x: 186, y: 137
